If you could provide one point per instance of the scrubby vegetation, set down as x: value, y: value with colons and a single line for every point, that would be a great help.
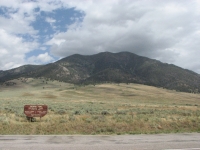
x: 100, y: 109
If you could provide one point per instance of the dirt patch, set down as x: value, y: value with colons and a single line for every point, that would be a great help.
x: 49, y: 96
x: 28, y: 94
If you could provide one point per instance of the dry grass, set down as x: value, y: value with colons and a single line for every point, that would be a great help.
x: 99, y: 109
x: 27, y: 94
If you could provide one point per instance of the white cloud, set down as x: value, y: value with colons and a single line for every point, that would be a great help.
x: 165, y: 30
x: 40, y: 59
x: 13, y: 49
x: 50, y: 20
x: 15, y: 26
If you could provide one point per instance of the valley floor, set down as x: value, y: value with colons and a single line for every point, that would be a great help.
x: 97, y: 109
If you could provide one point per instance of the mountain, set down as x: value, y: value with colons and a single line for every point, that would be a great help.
x: 123, y: 67
x: 17, y: 72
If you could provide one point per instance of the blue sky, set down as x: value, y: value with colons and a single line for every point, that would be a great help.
x: 49, y: 23
x: 44, y: 31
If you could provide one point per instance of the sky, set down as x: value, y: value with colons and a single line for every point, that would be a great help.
x: 44, y: 31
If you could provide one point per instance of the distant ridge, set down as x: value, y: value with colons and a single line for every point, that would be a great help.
x: 123, y: 67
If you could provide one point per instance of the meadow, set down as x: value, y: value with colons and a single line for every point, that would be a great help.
x: 107, y: 108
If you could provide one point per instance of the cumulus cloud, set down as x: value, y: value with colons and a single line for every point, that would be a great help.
x: 18, y: 37
x: 13, y: 49
x: 40, y: 59
x: 164, y: 30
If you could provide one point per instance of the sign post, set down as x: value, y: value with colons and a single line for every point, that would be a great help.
x: 32, y: 111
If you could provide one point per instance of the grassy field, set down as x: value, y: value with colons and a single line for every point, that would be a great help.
x: 100, y: 109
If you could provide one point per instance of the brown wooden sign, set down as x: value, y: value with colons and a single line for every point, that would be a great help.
x: 35, y: 110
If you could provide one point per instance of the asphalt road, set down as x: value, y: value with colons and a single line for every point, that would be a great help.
x: 187, y: 141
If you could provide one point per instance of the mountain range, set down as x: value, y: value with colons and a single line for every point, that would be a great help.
x: 123, y: 67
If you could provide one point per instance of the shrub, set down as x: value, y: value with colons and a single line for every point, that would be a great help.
x: 61, y: 112
x: 121, y: 112
x: 77, y: 112
x: 105, y: 112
